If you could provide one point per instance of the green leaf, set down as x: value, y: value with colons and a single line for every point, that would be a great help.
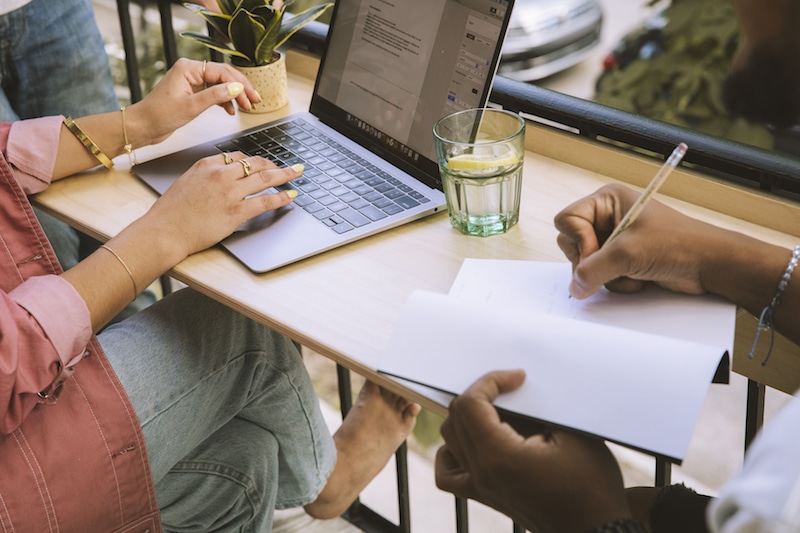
x: 227, y: 6
x: 211, y: 43
x: 266, y: 46
x: 253, y: 5
x: 291, y: 25
x: 218, y: 21
x: 245, y: 32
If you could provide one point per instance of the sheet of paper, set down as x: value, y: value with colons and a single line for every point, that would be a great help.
x: 632, y: 368
x: 544, y: 287
x: 629, y: 387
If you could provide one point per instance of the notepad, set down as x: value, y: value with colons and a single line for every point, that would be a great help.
x: 632, y: 369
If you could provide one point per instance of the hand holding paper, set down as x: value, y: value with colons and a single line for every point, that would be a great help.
x: 631, y: 387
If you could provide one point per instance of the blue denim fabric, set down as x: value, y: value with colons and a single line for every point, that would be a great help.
x: 53, y: 62
x: 230, y: 417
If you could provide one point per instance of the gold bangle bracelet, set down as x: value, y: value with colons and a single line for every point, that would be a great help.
x: 88, y: 143
x: 125, y: 266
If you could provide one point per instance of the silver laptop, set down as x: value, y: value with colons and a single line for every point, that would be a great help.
x: 391, y: 68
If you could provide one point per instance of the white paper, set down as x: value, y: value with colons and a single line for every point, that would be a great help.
x: 627, y: 386
x: 544, y: 287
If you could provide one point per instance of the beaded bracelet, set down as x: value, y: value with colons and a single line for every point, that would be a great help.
x: 765, y: 320
x: 88, y: 143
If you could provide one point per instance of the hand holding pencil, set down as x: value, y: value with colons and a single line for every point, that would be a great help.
x: 656, y: 253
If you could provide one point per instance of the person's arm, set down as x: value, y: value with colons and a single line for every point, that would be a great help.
x: 676, y: 252
x: 45, y: 329
x: 549, y: 481
x: 201, y: 208
x: 204, y: 206
x: 188, y: 89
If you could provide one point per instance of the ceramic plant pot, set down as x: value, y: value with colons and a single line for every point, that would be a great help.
x: 270, y: 82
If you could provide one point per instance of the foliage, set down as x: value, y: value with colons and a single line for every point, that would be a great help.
x: 249, y: 31
x: 683, y: 84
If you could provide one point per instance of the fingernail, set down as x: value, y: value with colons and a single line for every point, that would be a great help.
x: 576, y: 290
x: 235, y: 88
x: 298, y: 167
x: 258, y: 97
x: 291, y: 193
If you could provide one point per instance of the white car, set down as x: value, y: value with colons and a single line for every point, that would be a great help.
x: 548, y: 36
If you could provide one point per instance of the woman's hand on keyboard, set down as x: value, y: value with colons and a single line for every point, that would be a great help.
x: 218, y: 194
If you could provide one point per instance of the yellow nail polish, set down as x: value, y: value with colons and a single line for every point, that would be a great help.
x: 235, y: 88
x: 291, y: 193
x: 298, y: 167
x: 258, y: 97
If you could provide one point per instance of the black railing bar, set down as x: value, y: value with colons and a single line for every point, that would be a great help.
x: 345, y: 389
x: 403, y: 488
x: 462, y: 515
x: 312, y: 37
x: 663, y: 475
x: 706, y: 151
x: 368, y: 520
x: 167, y: 32
x: 129, y: 45
x: 754, y: 411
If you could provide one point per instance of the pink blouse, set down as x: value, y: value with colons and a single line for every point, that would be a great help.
x: 72, y: 451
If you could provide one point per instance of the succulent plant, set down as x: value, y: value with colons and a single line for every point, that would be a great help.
x: 249, y: 31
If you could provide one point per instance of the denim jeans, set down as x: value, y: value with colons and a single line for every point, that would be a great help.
x: 53, y: 62
x: 230, y: 417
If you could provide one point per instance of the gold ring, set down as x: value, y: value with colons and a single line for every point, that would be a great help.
x: 228, y: 158
x: 246, y: 166
x: 204, y: 68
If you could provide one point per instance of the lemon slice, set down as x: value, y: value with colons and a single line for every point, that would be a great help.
x: 481, y: 161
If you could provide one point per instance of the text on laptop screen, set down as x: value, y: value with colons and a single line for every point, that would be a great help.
x: 394, y: 67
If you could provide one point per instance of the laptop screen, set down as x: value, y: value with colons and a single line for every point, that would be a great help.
x: 392, y: 68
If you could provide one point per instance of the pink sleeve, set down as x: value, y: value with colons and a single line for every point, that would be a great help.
x: 31, y: 149
x: 45, y: 329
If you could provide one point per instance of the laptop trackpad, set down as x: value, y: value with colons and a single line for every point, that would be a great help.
x: 265, y: 220
x: 290, y: 234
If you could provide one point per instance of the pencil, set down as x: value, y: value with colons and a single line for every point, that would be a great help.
x: 661, y: 176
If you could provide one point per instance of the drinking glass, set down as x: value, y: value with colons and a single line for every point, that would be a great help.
x: 480, y: 154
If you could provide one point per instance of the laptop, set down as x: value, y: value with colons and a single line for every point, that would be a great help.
x: 390, y: 70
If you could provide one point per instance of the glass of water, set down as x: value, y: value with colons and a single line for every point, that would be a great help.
x: 480, y: 154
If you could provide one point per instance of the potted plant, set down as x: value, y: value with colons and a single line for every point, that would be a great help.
x: 249, y: 32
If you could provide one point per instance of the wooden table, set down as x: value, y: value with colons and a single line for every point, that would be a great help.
x: 344, y: 303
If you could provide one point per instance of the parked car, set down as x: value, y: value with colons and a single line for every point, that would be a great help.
x: 547, y: 36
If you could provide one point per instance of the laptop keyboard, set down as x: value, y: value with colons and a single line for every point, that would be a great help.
x: 341, y: 189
